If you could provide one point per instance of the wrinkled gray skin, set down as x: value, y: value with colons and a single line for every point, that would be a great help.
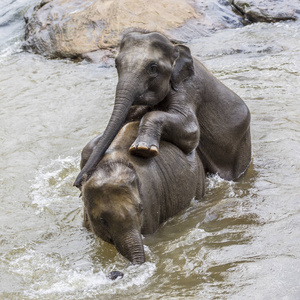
x: 185, y: 100
x: 128, y: 195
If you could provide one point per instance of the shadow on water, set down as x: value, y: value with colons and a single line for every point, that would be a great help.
x: 197, y: 248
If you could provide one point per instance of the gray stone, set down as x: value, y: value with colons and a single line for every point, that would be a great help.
x: 268, y: 10
x: 91, y: 28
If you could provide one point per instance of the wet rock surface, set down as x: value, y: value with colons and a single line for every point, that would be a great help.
x: 267, y: 10
x: 91, y: 29
x: 73, y: 28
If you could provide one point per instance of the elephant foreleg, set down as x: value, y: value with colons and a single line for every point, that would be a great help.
x: 178, y: 127
x: 135, y: 114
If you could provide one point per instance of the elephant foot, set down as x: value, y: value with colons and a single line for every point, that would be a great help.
x: 143, y: 150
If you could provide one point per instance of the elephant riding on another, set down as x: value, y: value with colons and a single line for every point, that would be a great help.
x: 128, y: 196
x: 189, y: 107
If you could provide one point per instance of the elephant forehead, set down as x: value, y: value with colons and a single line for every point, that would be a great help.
x: 142, y: 54
x: 113, y: 205
x: 107, y: 210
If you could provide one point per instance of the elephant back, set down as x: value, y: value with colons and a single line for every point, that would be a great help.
x: 167, y: 182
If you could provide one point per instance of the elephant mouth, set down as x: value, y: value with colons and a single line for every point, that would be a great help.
x: 104, y: 237
x: 149, y: 98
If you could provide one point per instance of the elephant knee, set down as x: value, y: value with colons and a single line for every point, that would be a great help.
x: 191, y: 139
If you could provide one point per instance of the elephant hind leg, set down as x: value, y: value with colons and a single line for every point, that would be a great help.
x: 243, y: 156
x: 228, y: 164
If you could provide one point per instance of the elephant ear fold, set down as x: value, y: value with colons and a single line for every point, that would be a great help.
x: 183, y: 66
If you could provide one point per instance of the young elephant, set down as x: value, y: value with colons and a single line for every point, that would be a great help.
x: 128, y: 196
x: 185, y: 98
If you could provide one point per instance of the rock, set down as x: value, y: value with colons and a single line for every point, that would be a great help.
x: 113, y: 275
x: 91, y: 29
x: 268, y: 10
x: 80, y: 28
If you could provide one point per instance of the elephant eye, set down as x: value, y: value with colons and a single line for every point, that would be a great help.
x: 103, y: 222
x: 153, y: 69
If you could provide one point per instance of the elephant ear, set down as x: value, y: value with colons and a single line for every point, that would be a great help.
x: 183, y: 66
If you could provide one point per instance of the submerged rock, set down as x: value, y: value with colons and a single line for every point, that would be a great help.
x: 113, y: 275
x: 77, y: 28
x: 267, y: 10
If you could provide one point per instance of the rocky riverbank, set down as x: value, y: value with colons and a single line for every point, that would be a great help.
x: 267, y: 10
x: 91, y: 29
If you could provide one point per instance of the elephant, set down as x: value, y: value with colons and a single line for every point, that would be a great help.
x: 129, y: 196
x: 189, y: 107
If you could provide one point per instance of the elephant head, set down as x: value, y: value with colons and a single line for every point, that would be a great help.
x: 114, y: 209
x: 148, y: 66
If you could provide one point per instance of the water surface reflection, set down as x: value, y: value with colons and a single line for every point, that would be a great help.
x: 240, y: 242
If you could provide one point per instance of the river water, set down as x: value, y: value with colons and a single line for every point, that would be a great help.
x: 242, y: 241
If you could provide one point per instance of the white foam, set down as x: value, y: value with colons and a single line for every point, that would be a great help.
x: 215, y: 181
x: 53, y: 181
x: 10, y: 50
x: 46, y: 276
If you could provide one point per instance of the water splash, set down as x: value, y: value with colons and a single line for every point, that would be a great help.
x: 9, y: 50
x: 48, y: 275
x: 54, y: 182
x: 215, y: 181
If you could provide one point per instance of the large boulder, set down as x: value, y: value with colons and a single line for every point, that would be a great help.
x: 82, y: 28
x: 79, y: 28
x: 268, y: 10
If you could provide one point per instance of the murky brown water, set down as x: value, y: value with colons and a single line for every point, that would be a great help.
x: 242, y: 241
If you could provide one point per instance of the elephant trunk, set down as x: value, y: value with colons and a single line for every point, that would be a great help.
x: 131, y: 247
x: 125, y: 95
